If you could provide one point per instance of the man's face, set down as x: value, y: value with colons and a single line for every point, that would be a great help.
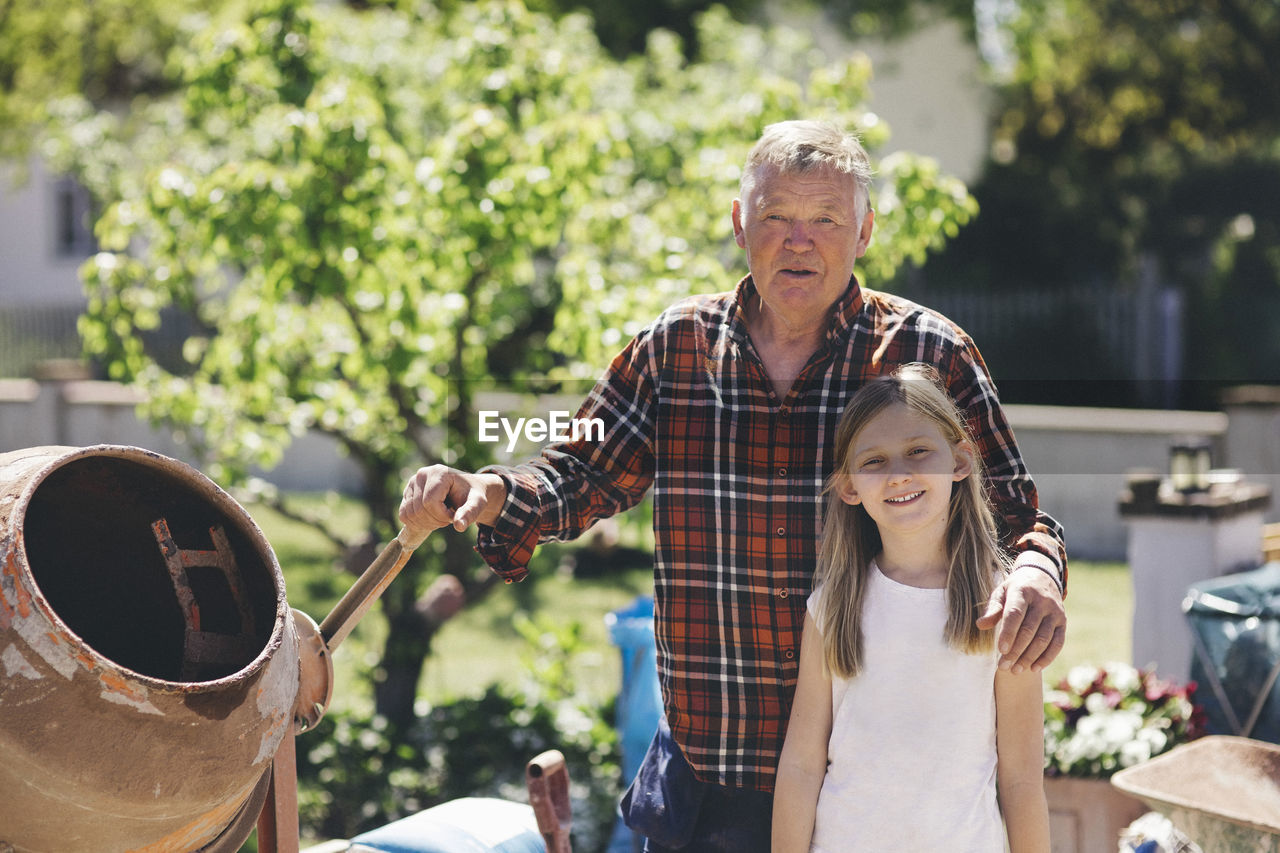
x: 802, y: 235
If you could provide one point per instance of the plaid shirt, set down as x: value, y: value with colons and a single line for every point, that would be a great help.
x: 737, y: 477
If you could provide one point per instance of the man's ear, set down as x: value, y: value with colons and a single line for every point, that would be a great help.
x: 738, y: 233
x: 864, y: 232
x: 963, y: 454
x: 845, y: 491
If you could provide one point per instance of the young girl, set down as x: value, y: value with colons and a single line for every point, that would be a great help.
x: 893, y: 742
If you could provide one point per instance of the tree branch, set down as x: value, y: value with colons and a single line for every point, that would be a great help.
x: 400, y: 396
x: 271, y: 497
x: 1261, y: 44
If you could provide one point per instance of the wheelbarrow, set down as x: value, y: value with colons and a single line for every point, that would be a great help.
x: 1221, y: 791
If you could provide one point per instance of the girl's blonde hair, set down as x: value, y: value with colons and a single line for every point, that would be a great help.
x: 850, y: 538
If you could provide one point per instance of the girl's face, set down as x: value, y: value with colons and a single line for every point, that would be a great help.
x: 900, y: 468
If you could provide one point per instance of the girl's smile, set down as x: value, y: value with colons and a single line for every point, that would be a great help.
x: 901, y: 468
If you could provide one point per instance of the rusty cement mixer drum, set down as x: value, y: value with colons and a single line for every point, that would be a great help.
x: 148, y: 658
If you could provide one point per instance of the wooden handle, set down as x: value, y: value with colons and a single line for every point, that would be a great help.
x: 369, y: 587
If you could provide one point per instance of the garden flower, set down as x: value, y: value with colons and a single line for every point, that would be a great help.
x: 1101, y: 719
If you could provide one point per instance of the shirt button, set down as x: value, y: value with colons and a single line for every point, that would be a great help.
x: 782, y: 593
x: 782, y: 472
x: 789, y: 654
x: 782, y: 531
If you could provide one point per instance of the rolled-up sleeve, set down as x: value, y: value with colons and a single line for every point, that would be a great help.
x: 570, y: 485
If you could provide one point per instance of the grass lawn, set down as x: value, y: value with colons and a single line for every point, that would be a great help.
x: 482, y: 644
x: 1099, y: 617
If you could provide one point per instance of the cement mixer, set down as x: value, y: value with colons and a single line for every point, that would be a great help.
x: 152, y: 673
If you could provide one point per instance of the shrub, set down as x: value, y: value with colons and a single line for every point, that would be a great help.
x: 358, y: 773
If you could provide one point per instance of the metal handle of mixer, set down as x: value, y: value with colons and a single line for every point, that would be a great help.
x: 369, y: 587
x: 316, y: 643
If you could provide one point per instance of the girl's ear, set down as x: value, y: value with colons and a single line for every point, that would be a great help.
x: 963, y: 455
x: 846, y: 491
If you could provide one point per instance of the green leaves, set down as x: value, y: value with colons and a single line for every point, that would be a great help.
x: 350, y: 209
x: 918, y: 208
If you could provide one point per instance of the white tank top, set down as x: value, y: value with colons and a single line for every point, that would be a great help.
x: 912, y: 756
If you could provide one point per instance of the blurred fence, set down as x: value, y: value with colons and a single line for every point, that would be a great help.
x: 1095, y: 344
x: 35, y: 334
x: 1082, y: 345
x: 31, y: 334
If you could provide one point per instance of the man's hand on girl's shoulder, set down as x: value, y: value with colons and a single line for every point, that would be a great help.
x: 1030, y: 622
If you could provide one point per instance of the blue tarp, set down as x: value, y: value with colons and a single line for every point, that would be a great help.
x: 468, y: 825
x: 1235, y: 625
x: 640, y: 698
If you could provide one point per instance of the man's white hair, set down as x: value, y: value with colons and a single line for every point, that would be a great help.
x: 797, y: 147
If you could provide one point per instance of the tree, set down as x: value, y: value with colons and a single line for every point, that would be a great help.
x: 1132, y: 132
x: 105, y: 51
x: 623, y: 28
x: 348, y: 217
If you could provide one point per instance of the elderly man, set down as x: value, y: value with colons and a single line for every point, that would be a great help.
x: 726, y: 405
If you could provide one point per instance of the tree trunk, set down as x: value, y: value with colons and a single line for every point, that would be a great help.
x: 411, y: 628
x: 395, y: 686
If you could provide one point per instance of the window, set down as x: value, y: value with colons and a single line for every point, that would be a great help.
x: 72, y: 228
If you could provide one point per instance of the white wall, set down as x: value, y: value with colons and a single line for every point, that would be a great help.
x: 85, y: 413
x: 1253, y: 440
x: 1078, y: 457
x: 928, y: 86
x: 31, y: 270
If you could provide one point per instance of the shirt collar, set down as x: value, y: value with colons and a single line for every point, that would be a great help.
x: 843, y: 315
